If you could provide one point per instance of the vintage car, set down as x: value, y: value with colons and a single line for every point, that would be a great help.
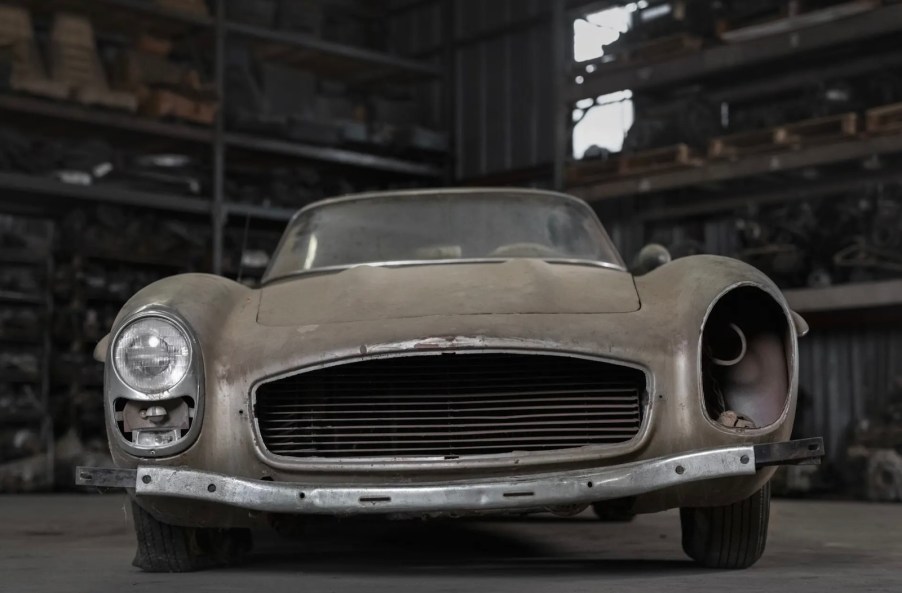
x: 450, y: 352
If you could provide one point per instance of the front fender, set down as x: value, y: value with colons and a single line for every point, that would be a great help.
x: 206, y: 302
x: 690, y: 284
x: 693, y: 287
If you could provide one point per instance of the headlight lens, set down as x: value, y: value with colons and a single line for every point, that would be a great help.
x: 152, y: 355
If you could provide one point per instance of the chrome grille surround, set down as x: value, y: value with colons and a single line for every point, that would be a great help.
x: 450, y: 405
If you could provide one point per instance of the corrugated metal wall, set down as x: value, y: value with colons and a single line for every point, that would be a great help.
x: 504, y: 104
x: 846, y: 374
x: 419, y: 31
x: 502, y: 90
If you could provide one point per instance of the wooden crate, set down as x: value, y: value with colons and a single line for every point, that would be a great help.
x: 733, y: 146
x: 821, y: 129
x: 679, y: 156
x: 886, y: 119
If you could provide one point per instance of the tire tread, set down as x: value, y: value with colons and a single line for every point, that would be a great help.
x: 729, y: 536
x: 171, y: 548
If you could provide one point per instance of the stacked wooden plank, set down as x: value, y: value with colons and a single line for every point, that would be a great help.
x: 665, y: 48
x: 76, y: 64
x: 886, y: 119
x: 165, y: 89
x: 678, y: 156
x: 645, y: 162
x: 791, y: 16
x: 26, y: 71
x: 809, y: 132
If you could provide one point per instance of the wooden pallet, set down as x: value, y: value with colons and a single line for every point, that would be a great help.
x: 733, y: 146
x: 679, y: 156
x: 821, y: 129
x: 793, y: 135
x: 592, y: 171
x: 664, y: 48
x: 886, y: 119
x: 654, y: 50
x: 794, y: 15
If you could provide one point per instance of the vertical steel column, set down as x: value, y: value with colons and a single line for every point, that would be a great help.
x: 559, y: 110
x: 47, y: 340
x: 457, y: 131
x: 449, y: 88
x: 218, y: 206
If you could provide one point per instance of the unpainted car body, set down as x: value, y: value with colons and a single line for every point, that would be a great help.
x: 712, y: 340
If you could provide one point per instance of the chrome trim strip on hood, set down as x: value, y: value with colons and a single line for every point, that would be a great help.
x: 439, y: 262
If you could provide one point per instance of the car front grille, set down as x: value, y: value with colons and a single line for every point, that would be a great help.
x: 450, y: 405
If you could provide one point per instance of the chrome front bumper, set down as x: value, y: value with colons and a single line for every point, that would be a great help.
x: 497, y: 494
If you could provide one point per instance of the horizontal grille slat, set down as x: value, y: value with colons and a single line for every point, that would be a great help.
x: 321, y: 419
x: 588, y: 390
x: 338, y: 406
x: 450, y: 405
x: 395, y: 434
x: 418, y: 451
x: 525, y: 439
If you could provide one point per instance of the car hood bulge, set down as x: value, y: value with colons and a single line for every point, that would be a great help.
x: 369, y: 293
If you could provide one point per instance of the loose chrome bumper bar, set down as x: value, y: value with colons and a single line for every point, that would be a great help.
x: 521, y: 492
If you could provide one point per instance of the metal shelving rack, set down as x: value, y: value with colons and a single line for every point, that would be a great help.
x: 356, y: 64
x: 735, y: 56
x: 41, y: 418
x: 696, y: 67
x: 721, y: 184
x: 748, y: 166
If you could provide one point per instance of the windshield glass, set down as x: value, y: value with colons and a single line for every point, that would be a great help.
x: 424, y: 226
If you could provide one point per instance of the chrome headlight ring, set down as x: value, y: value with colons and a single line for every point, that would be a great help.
x: 151, y: 355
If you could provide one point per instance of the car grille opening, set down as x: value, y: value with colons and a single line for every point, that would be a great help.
x: 450, y: 405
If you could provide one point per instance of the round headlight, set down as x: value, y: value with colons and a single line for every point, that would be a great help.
x: 152, y: 355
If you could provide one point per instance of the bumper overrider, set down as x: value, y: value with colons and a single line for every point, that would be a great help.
x: 495, y: 494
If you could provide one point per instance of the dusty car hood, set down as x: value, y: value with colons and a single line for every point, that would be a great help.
x: 367, y: 293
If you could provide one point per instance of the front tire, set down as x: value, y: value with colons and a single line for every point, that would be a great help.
x: 171, y: 548
x: 728, y: 536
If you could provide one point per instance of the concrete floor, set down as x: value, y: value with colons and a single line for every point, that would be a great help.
x: 84, y: 543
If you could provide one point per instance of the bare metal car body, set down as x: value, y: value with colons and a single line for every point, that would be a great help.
x: 223, y: 472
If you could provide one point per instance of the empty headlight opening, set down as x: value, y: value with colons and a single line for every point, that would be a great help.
x: 745, y: 361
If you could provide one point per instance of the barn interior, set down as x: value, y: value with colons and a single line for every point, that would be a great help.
x: 144, y: 139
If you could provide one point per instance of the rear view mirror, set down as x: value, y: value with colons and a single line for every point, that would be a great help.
x: 650, y: 257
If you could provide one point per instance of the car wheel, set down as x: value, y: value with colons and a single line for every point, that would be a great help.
x: 171, y: 548
x: 728, y: 536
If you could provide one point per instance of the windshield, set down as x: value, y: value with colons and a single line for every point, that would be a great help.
x: 441, y: 226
